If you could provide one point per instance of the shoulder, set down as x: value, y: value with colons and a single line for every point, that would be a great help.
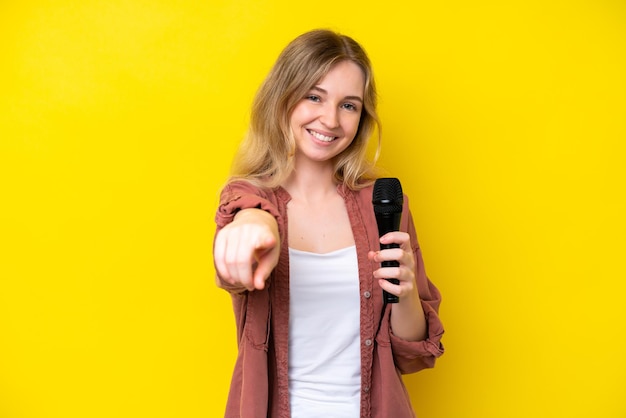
x: 240, y: 186
x: 236, y: 188
x: 364, y: 191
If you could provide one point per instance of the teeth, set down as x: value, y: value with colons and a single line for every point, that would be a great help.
x: 322, y: 137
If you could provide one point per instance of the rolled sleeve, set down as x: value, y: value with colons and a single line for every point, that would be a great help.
x: 413, y: 356
x: 241, y: 195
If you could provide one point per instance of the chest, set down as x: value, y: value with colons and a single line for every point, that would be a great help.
x: 319, y: 228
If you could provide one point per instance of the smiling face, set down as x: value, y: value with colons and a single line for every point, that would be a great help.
x: 326, y: 120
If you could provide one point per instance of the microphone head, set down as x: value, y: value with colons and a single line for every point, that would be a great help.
x: 387, y: 196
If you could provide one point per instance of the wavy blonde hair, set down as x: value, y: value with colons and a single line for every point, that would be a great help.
x: 266, y: 155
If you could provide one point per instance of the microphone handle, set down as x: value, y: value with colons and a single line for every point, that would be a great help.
x: 388, y: 297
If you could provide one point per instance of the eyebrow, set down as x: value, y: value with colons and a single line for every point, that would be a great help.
x: 321, y: 90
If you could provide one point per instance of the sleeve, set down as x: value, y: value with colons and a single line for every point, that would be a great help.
x: 240, y: 195
x: 412, y: 356
x: 236, y: 196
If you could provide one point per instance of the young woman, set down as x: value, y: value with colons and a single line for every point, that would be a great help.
x: 297, y: 247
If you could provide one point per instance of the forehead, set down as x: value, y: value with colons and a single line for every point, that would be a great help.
x: 345, y: 76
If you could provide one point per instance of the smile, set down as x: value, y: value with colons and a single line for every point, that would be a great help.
x: 321, y: 137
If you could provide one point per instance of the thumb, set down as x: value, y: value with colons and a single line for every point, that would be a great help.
x: 264, y: 244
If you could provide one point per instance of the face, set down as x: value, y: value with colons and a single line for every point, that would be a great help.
x: 326, y: 120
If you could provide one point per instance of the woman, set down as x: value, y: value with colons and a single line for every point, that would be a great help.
x: 297, y: 247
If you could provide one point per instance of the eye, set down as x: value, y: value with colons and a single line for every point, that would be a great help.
x: 313, y: 98
x: 349, y: 106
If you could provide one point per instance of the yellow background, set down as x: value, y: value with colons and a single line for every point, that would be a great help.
x: 505, y: 121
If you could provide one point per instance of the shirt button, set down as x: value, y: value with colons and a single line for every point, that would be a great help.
x: 368, y: 342
x: 366, y: 389
x: 367, y: 294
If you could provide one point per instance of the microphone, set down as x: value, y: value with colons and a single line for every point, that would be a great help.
x: 387, y: 199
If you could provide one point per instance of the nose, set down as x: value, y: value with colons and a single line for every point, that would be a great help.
x: 330, y: 116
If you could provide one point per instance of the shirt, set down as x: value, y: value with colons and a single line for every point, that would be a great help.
x: 260, y: 384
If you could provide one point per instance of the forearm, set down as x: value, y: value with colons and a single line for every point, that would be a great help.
x: 407, y: 318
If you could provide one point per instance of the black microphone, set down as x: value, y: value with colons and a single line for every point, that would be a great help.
x: 387, y: 199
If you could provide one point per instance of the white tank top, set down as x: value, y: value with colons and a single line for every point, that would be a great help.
x: 324, y: 334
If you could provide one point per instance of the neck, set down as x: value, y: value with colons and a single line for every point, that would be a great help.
x: 311, y: 183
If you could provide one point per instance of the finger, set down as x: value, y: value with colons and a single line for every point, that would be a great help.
x: 389, y: 287
x: 219, y: 249
x: 388, y: 273
x: 261, y: 274
x: 265, y: 242
x: 396, y: 237
x: 403, y: 274
x: 266, y: 260
x: 390, y: 254
x: 239, y: 256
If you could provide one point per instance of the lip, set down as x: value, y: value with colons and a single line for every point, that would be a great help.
x: 312, y: 131
x: 323, y: 132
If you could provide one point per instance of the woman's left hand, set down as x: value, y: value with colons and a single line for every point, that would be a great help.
x: 408, y: 320
x: 405, y: 273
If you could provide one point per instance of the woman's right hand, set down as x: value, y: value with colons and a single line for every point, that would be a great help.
x: 247, y: 250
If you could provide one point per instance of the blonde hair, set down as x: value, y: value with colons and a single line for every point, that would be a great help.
x: 265, y: 156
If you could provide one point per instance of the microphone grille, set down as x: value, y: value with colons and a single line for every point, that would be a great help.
x: 387, y: 196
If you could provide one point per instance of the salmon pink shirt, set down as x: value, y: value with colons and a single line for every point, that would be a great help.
x: 260, y: 381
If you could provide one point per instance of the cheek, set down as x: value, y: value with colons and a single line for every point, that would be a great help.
x: 352, y: 125
x: 300, y: 114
